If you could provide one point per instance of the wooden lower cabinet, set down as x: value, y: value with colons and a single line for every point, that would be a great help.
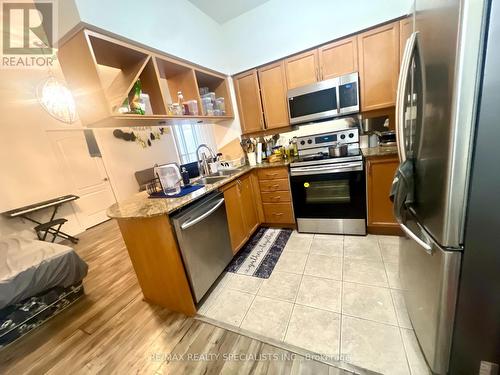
x: 242, y: 213
x: 276, y: 197
x: 249, y: 211
x: 278, y: 213
x: 380, y: 173
x: 235, y: 222
x: 157, y: 262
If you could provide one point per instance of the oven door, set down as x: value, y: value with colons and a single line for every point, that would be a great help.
x: 330, y: 199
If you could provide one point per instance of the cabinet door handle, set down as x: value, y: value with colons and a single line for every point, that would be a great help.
x: 271, y: 174
x: 278, y: 214
x: 276, y: 198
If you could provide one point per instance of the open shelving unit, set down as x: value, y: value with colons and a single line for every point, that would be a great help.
x: 101, y: 71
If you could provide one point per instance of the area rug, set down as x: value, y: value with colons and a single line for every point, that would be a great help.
x: 261, y: 253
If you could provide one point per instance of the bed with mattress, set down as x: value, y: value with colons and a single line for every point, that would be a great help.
x: 37, y: 281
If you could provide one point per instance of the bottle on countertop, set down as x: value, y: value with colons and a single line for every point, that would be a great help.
x: 185, y: 176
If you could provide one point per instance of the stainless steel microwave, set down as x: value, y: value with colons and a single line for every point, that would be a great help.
x: 326, y: 99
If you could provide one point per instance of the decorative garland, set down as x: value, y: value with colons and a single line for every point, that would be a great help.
x: 144, y: 136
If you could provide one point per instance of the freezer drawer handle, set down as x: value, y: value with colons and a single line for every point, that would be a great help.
x: 417, y: 239
x: 190, y: 223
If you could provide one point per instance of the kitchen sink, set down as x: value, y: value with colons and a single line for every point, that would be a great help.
x: 210, y: 180
x: 227, y: 172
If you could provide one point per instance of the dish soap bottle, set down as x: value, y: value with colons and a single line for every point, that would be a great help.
x: 185, y: 176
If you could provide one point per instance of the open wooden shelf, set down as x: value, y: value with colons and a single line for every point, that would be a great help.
x: 101, y: 71
x: 216, y: 84
x: 133, y: 120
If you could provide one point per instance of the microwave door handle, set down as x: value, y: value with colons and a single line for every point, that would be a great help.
x: 401, y: 99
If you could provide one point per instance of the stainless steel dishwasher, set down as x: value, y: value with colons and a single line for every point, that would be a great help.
x: 203, y: 237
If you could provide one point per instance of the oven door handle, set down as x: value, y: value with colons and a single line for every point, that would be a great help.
x: 341, y: 168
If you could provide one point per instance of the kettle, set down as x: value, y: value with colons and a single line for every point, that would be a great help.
x: 170, y: 178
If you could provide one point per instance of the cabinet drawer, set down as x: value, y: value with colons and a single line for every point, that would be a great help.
x: 276, y: 197
x: 272, y: 173
x: 274, y: 185
x: 278, y: 213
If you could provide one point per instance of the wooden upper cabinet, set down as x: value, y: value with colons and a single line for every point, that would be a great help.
x: 248, y: 209
x: 405, y: 30
x: 378, y: 57
x: 302, y: 69
x: 246, y: 86
x: 380, y: 175
x: 273, y: 89
x: 235, y: 222
x: 338, y: 58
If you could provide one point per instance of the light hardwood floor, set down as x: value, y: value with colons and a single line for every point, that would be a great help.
x: 112, y: 330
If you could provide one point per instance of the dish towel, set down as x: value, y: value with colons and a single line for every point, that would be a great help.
x: 403, y: 189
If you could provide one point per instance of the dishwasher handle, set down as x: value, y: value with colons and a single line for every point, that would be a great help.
x: 190, y: 223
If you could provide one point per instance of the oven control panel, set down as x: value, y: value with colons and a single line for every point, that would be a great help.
x: 348, y: 136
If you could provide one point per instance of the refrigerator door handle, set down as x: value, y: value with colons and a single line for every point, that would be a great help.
x: 400, y: 99
x: 417, y: 239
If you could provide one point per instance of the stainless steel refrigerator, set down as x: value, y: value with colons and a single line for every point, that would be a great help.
x: 436, y: 106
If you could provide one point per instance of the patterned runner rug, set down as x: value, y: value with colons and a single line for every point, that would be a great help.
x: 261, y: 253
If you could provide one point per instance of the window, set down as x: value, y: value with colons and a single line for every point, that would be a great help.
x: 189, y: 136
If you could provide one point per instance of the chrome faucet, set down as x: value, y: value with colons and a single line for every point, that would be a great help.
x: 203, y: 166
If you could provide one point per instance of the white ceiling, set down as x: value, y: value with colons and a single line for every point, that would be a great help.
x: 222, y: 11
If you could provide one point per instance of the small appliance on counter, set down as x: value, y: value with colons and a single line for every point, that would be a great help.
x: 167, y: 182
x: 387, y: 138
x: 328, y: 183
x: 170, y: 178
x: 376, y: 129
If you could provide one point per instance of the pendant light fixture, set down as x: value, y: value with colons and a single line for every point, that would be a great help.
x: 57, y: 100
x: 55, y: 97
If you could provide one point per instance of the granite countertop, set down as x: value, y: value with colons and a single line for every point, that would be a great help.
x: 379, y: 151
x: 141, y: 206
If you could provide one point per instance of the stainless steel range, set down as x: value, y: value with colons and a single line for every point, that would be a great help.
x: 329, y: 193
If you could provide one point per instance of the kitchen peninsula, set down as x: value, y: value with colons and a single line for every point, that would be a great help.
x: 151, y: 241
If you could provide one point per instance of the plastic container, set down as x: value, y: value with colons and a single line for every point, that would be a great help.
x: 210, y: 95
x: 204, y: 91
x: 193, y: 107
x: 170, y: 178
x: 220, y: 104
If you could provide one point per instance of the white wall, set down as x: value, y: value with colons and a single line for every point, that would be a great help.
x: 29, y: 169
x: 176, y: 27
x: 279, y: 28
x: 271, y: 31
x: 122, y: 158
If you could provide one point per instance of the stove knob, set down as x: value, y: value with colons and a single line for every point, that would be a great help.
x: 351, y: 135
x: 302, y: 143
x: 342, y: 136
x: 309, y: 141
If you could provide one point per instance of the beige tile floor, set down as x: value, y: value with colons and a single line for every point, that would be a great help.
x: 338, y: 296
